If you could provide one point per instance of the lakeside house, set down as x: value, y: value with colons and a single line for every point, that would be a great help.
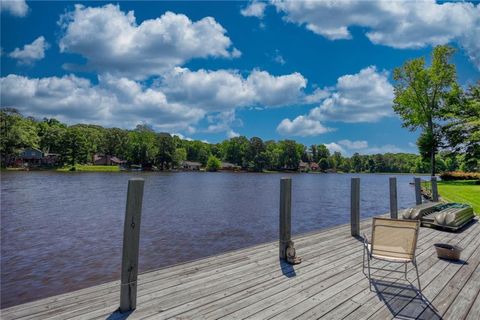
x: 30, y: 157
x: 314, y: 166
x: 107, y: 160
x: 51, y: 159
x: 33, y: 157
x: 227, y: 166
x: 303, y: 166
x: 191, y: 165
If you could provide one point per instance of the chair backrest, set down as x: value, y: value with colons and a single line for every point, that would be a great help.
x: 394, y: 238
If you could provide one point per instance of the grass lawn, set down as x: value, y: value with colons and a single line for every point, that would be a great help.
x: 464, y: 191
x: 86, y: 168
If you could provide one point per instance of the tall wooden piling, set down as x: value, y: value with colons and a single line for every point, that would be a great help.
x: 285, y: 215
x: 418, y: 191
x: 434, y: 189
x: 393, y: 198
x: 355, y: 207
x: 131, y: 237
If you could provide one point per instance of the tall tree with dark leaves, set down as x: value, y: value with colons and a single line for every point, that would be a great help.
x: 421, y: 95
x: 462, y: 128
x: 166, y: 150
x: 16, y: 132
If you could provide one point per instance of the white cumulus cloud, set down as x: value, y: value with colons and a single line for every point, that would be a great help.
x: 335, y: 147
x: 359, y: 144
x: 181, y: 136
x: 301, y: 126
x: 227, y: 89
x: 176, y: 102
x: 347, y: 147
x: 31, y: 52
x: 254, y: 9
x: 398, y: 24
x: 17, y: 8
x: 113, y: 102
x: 362, y: 97
x: 113, y: 42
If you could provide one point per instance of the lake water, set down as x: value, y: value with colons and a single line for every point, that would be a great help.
x: 63, y: 231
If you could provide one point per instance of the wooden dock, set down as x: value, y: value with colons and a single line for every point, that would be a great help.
x: 252, y: 283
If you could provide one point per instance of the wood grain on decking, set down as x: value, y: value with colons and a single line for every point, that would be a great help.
x: 252, y: 283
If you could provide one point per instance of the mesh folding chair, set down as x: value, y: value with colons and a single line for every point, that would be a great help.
x: 393, y: 241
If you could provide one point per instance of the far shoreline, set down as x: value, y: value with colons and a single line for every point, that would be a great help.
x: 116, y: 169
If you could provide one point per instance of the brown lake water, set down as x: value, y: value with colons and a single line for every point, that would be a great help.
x: 63, y: 231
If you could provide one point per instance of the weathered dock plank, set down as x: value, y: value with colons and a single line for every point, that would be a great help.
x: 254, y: 283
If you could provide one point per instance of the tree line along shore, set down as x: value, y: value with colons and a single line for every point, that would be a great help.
x: 80, y: 145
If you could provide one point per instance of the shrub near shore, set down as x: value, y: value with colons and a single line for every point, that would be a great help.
x: 460, y: 175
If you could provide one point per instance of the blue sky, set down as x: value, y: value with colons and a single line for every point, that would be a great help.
x: 308, y: 71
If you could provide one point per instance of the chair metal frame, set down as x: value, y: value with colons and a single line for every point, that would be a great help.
x: 367, y: 253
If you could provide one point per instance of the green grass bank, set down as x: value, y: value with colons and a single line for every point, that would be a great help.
x: 464, y: 191
x: 86, y: 168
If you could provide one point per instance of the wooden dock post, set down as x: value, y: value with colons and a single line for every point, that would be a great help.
x: 131, y: 237
x: 418, y: 191
x: 393, y: 198
x: 285, y: 216
x: 355, y: 207
x: 434, y: 189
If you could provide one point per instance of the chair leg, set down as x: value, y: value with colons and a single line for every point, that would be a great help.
x: 369, y: 276
x: 363, y: 260
x: 418, y: 279
x: 406, y: 271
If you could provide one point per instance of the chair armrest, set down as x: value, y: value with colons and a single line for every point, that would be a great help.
x: 365, y: 239
x: 365, y: 242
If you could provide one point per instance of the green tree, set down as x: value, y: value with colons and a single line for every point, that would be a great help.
x: 236, y: 150
x: 421, y: 94
x: 50, y: 132
x: 166, y: 150
x: 116, y: 141
x: 213, y: 163
x: 273, y: 154
x: 16, y: 132
x: 346, y: 165
x: 179, y: 156
x: 95, y: 137
x: 323, y: 151
x: 197, y: 151
x: 323, y: 164
x: 356, y: 162
x: 290, y: 154
x: 379, y: 163
x: 256, y: 156
x: 142, y: 146
x: 337, y: 159
x: 314, y: 152
x: 462, y: 128
x: 75, y: 146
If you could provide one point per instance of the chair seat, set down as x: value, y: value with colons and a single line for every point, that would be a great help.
x: 388, y: 258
